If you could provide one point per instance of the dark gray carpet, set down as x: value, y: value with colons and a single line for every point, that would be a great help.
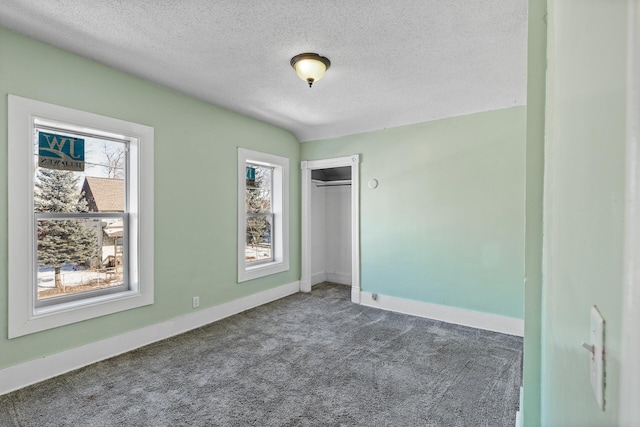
x: 306, y: 360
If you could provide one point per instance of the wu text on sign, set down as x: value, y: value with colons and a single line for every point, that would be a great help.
x: 60, y: 152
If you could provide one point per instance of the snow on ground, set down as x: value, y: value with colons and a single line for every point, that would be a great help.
x: 257, y: 252
x: 71, y: 276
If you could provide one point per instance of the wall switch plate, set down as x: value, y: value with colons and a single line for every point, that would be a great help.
x: 196, y: 302
x: 596, y: 365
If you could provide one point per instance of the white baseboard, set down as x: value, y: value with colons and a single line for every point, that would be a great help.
x: 519, y: 412
x: 459, y: 316
x: 323, y: 276
x: 19, y: 376
x: 339, y: 278
x: 318, y: 278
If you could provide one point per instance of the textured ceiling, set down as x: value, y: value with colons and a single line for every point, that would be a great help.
x: 393, y: 62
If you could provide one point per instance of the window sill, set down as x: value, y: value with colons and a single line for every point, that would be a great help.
x: 261, y: 270
x: 77, y: 311
x: 82, y: 303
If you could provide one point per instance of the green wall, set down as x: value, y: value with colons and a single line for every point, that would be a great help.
x: 195, y: 187
x: 536, y: 67
x: 446, y: 223
x: 584, y: 204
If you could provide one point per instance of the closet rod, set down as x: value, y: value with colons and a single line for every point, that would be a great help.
x: 332, y: 185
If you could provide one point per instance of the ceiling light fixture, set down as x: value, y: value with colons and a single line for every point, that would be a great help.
x: 310, y: 67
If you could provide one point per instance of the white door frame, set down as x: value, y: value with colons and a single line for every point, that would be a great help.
x: 307, y: 167
x: 630, y: 360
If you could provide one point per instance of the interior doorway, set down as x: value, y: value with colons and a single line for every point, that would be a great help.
x: 335, y: 180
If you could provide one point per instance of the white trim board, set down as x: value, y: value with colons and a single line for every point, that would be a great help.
x: 339, y: 278
x: 306, y: 167
x: 318, y: 278
x: 19, y: 376
x: 519, y: 411
x: 323, y: 276
x: 335, y: 283
x: 629, y: 412
x: 458, y: 316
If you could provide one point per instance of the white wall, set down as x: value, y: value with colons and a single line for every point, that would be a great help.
x: 338, y: 234
x: 331, y: 234
x: 318, y: 240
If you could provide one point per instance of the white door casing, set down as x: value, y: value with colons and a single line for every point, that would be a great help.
x: 630, y: 363
x: 307, y: 166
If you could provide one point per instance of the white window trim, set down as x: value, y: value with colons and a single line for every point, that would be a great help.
x: 24, y: 318
x: 280, y: 194
x: 269, y: 214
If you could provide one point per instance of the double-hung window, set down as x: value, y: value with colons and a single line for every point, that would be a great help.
x: 263, y: 220
x: 80, y: 215
x: 259, y: 214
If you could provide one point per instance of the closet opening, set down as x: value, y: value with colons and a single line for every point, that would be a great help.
x: 330, y: 225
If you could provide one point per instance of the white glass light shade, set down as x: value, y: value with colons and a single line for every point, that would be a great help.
x: 310, y: 67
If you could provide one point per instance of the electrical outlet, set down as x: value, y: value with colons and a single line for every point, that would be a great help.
x: 196, y: 302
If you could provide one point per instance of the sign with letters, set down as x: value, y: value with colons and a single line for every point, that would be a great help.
x: 60, y: 152
x: 251, y: 176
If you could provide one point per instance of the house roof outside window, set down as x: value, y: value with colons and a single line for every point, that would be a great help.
x: 104, y: 194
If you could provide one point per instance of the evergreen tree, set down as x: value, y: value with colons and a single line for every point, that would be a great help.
x: 61, y: 241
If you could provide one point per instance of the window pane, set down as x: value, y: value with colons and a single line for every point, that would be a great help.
x: 259, y: 186
x: 74, y: 174
x: 258, y: 242
x: 99, y: 187
x: 76, y: 256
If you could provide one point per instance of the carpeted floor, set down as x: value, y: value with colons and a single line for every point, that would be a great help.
x: 306, y: 360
